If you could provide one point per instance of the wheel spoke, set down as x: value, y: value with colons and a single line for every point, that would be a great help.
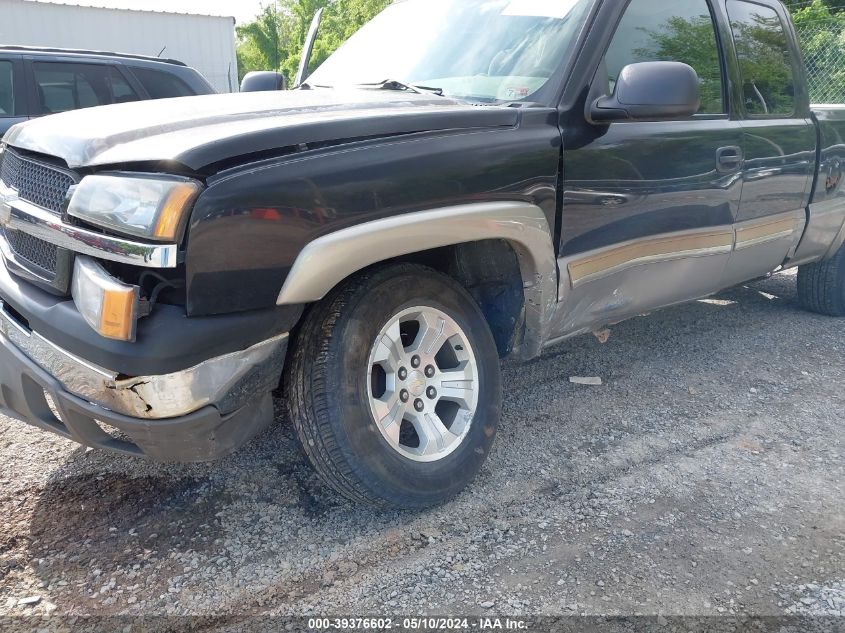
x: 389, y: 349
x: 433, y: 434
x: 433, y: 333
x: 462, y: 420
x: 389, y: 415
x: 384, y: 406
x: 457, y: 385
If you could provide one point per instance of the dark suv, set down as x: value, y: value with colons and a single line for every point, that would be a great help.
x: 36, y: 82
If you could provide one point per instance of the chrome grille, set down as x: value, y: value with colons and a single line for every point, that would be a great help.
x: 33, y: 251
x: 34, y: 181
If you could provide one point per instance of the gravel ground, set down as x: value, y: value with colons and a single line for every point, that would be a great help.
x: 705, y: 477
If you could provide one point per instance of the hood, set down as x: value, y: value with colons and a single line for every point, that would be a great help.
x: 200, y: 131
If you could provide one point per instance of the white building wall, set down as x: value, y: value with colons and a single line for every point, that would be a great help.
x: 206, y: 43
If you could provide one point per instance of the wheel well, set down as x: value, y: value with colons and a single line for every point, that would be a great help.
x: 490, y: 272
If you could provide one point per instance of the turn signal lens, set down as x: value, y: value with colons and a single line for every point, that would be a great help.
x: 107, y: 305
x: 173, y: 210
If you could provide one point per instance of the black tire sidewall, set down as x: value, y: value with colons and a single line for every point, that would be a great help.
x: 821, y: 285
x: 382, y: 469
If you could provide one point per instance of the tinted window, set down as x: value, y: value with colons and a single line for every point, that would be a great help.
x: 162, y: 85
x: 764, y: 59
x: 62, y: 87
x: 120, y: 90
x: 7, y: 90
x: 670, y: 30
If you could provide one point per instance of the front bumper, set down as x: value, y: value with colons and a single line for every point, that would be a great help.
x: 199, y: 414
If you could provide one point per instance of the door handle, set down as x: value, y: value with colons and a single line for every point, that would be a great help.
x: 729, y: 159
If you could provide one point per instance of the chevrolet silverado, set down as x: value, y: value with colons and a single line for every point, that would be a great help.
x: 462, y: 181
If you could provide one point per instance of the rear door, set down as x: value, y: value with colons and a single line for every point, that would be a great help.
x: 779, y: 138
x: 13, y: 102
x: 649, y: 207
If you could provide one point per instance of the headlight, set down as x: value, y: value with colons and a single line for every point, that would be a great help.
x: 150, y: 207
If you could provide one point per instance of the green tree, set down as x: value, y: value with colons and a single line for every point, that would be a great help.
x: 340, y: 22
x: 796, y: 5
x: 822, y: 36
x: 765, y: 64
x: 693, y: 42
x: 273, y: 41
x: 821, y: 32
x: 269, y: 41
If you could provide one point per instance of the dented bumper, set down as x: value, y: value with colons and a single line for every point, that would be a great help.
x: 227, y: 382
x: 196, y: 415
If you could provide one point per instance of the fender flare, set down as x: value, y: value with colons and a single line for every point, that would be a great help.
x: 330, y: 259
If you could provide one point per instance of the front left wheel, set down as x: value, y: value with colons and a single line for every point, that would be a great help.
x: 394, y: 387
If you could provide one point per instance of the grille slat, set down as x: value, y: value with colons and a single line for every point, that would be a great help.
x: 46, y: 186
x: 35, y: 182
x: 34, y: 251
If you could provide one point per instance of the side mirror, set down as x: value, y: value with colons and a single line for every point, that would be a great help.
x: 650, y: 91
x: 263, y: 81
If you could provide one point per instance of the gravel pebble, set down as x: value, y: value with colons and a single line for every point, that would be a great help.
x: 669, y: 490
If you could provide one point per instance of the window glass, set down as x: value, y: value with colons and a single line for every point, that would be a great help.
x: 764, y: 59
x: 481, y: 50
x: 85, y: 95
x: 120, y: 90
x: 670, y: 30
x: 62, y: 87
x: 7, y: 89
x: 162, y: 85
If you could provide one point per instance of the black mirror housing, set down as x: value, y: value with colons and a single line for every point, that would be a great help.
x: 263, y: 81
x: 650, y: 91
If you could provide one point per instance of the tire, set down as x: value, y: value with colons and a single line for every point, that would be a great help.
x: 821, y: 286
x: 334, y: 388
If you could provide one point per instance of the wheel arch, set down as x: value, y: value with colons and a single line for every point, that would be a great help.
x: 471, y: 233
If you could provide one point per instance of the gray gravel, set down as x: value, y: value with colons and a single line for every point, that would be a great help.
x: 704, y: 477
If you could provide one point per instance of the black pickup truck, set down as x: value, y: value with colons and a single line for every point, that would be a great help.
x: 463, y: 181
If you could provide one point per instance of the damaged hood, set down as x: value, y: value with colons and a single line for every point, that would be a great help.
x: 201, y: 131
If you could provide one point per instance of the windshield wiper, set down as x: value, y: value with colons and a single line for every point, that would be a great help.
x: 393, y: 84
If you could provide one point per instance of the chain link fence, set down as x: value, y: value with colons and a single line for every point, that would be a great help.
x: 823, y: 45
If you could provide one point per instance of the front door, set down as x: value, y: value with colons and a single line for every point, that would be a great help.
x: 649, y: 207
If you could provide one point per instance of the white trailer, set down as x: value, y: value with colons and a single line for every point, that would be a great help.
x: 207, y: 43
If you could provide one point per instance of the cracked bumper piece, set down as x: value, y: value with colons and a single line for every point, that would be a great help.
x: 198, y: 414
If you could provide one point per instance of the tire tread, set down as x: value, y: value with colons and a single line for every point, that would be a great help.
x: 308, y: 395
x: 821, y: 286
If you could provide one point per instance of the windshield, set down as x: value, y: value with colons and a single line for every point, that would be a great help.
x: 482, y: 50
